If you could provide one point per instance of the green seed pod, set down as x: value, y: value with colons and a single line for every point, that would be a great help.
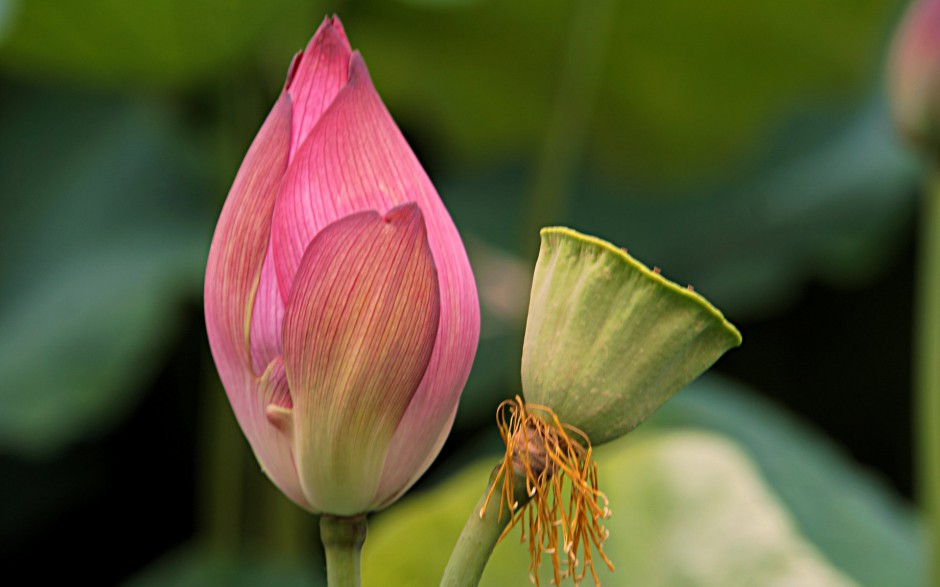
x: 607, y: 340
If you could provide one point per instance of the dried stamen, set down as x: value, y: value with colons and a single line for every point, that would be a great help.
x: 546, y: 452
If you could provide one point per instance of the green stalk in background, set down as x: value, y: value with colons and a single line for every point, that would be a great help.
x: 567, y: 130
x: 221, y: 471
x: 914, y: 92
x: 287, y: 530
x: 927, y: 369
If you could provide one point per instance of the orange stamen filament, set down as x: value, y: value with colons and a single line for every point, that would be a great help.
x: 547, y: 452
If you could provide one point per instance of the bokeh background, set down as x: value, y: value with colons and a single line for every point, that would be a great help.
x: 743, y: 147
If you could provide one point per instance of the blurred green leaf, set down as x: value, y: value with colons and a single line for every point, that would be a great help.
x: 7, y: 8
x: 195, y: 567
x: 96, y: 254
x: 687, y: 86
x: 830, y: 205
x: 153, y: 43
x: 833, y: 207
x: 848, y: 513
x: 688, y: 509
x: 438, y: 3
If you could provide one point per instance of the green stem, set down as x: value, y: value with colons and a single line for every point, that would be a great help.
x: 342, y: 542
x: 578, y: 83
x: 927, y: 370
x: 480, y: 535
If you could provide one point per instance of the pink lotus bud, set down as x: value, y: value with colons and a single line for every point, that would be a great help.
x: 340, y: 305
x: 914, y: 75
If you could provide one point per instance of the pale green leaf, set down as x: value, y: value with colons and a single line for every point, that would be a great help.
x: 849, y: 513
x: 688, y: 509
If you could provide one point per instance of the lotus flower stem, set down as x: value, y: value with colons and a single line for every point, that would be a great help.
x: 927, y: 370
x: 480, y: 535
x: 342, y: 542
